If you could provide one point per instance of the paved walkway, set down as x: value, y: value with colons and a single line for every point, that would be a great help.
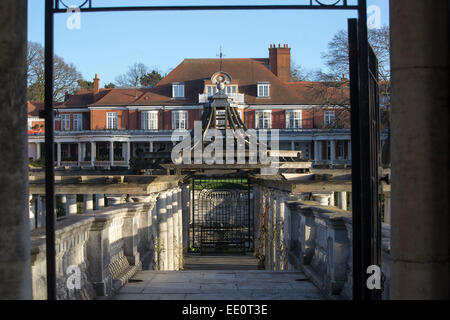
x: 202, y: 283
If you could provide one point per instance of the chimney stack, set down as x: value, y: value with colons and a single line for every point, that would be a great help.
x: 280, y: 61
x: 96, y: 84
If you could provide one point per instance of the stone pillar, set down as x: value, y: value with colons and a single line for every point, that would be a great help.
x: 150, y: 146
x: 180, y: 227
x: 88, y: 203
x: 175, y: 205
x: 100, y: 199
x: 15, y: 276
x: 292, y: 145
x: 71, y: 204
x: 80, y: 154
x: 281, y: 265
x: 170, y: 235
x: 58, y: 154
x: 342, y: 200
x: 332, y: 151
x: 420, y: 154
x: 38, y: 150
x: 111, y: 153
x: 269, y: 258
x: 127, y: 154
x: 387, y: 208
x: 316, y: 151
x: 93, y: 153
x: 161, y: 252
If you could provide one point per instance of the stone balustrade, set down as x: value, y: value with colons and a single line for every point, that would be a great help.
x: 294, y: 233
x: 98, y: 251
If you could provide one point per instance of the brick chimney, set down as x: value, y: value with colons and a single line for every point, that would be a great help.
x: 96, y: 84
x: 280, y: 61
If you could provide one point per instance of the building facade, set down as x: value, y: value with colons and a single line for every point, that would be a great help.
x: 108, y: 127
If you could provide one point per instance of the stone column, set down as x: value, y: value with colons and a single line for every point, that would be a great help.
x: 175, y: 205
x: 58, y: 154
x: 292, y: 145
x: 111, y: 153
x: 127, y: 155
x: 180, y: 225
x: 71, y: 204
x: 80, y: 154
x: 150, y: 146
x: 170, y: 235
x: 93, y: 153
x: 15, y: 276
x: 316, y: 151
x: 332, y: 151
x: 420, y: 154
x: 88, y: 202
x: 281, y: 264
x: 161, y: 252
x: 342, y: 200
x: 100, y: 199
x: 38, y: 150
x: 387, y: 208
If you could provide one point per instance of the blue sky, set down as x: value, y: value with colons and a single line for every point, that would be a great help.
x: 107, y: 43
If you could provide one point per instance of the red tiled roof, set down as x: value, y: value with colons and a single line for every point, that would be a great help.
x: 193, y: 72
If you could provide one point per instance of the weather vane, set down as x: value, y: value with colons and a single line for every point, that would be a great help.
x: 221, y: 55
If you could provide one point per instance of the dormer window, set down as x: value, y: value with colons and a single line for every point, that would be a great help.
x: 263, y: 90
x: 177, y: 90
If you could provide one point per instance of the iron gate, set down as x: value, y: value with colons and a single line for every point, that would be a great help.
x: 221, y: 217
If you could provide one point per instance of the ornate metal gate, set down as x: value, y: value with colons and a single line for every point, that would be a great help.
x: 221, y: 217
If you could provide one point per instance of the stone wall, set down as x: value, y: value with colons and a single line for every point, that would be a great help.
x: 296, y: 234
x: 97, y: 252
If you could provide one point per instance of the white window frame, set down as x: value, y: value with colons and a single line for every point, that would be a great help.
x: 77, y: 122
x: 177, y: 90
x: 329, y: 117
x: 266, y: 121
x: 179, y: 119
x: 111, y: 120
x: 294, y: 119
x: 263, y: 90
x: 65, y: 122
x: 149, y: 120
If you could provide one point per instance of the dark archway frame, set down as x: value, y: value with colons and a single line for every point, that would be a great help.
x: 366, y: 240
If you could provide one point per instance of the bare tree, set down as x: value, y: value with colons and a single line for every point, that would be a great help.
x: 66, y: 76
x: 132, y: 78
x: 299, y: 73
x: 336, y: 56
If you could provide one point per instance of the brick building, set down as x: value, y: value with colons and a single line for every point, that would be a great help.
x: 104, y: 127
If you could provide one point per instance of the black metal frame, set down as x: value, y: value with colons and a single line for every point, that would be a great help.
x: 221, y: 217
x: 362, y: 154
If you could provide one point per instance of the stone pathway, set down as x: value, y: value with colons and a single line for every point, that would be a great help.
x: 219, y: 285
